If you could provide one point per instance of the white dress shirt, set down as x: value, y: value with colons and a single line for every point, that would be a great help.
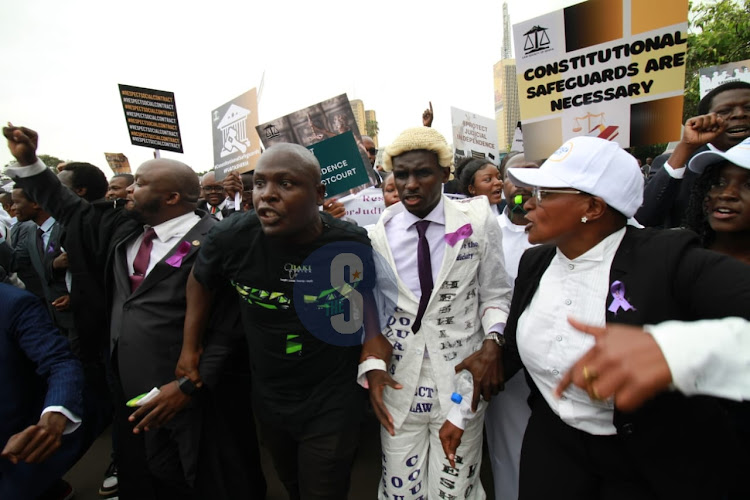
x: 549, y: 345
x: 46, y: 228
x: 679, y: 172
x: 6, y: 222
x: 515, y: 243
x: 708, y: 357
x: 403, y: 239
x: 219, y: 208
x: 168, y: 233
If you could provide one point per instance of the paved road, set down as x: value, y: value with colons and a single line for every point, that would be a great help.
x: 86, y: 476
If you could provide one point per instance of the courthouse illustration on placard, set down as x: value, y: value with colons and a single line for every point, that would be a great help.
x: 234, y: 130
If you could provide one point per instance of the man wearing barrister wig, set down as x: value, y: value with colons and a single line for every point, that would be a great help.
x: 453, y: 300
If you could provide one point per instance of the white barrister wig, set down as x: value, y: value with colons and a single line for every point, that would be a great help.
x: 416, y: 138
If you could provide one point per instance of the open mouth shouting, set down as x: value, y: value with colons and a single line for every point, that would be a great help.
x: 738, y: 132
x: 268, y: 216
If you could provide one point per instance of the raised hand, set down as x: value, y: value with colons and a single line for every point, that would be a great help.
x: 427, y: 116
x: 22, y: 143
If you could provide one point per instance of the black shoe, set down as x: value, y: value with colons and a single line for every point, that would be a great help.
x: 109, y: 486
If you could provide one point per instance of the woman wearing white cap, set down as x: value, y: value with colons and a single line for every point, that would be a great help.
x: 593, y: 268
x: 719, y: 209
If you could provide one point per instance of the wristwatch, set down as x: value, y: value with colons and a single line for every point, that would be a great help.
x: 186, y: 386
x: 498, y: 339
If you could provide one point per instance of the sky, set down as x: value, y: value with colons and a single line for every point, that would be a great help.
x: 62, y: 61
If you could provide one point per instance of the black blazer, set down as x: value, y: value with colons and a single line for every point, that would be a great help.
x: 21, y: 259
x: 225, y: 212
x: 679, y: 442
x: 149, y: 323
x: 52, y: 281
x: 665, y: 199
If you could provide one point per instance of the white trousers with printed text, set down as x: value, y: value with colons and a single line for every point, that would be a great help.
x: 414, y: 464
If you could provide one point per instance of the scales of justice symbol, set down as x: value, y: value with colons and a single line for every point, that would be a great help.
x: 596, y: 126
x: 540, y: 40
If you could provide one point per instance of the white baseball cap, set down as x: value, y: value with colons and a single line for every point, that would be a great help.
x: 739, y: 155
x: 592, y: 165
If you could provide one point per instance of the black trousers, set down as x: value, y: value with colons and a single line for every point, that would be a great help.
x: 564, y: 463
x: 149, y: 464
x: 313, y: 465
x: 561, y: 462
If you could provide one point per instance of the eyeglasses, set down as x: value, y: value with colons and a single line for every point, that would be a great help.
x: 213, y: 189
x: 373, y: 151
x: 540, y: 193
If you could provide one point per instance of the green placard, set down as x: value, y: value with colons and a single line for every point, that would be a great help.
x: 341, y: 164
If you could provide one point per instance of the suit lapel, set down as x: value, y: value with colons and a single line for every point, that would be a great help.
x: 624, y: 261
x: 162, y: 269
x: 36, y: 259
x: 454, y: 219
x: 120, y: 266
x: 382, y: 238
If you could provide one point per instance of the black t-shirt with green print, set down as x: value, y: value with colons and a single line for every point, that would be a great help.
x: 297, y: 378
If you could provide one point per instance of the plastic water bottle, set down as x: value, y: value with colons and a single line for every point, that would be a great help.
x: 464, y: 391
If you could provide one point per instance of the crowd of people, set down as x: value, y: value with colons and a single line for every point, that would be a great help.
x: 531, y: 313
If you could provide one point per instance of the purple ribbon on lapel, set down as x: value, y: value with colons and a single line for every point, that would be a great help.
x: 618, y: 298
x: 176, y: 259
x: 461, y: 233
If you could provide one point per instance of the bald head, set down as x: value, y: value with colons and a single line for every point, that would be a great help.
x: 292, y: 156
x: 208, y: 178
x: 174, y: 176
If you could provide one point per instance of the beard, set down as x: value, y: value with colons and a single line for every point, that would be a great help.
x: 141, y: 212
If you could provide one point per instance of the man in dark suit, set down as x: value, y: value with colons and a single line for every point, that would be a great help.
x: 214, y: 197
x: 723, y: 122
x: 47, y: 380
x: 41, y: 250
x: 145, y: 254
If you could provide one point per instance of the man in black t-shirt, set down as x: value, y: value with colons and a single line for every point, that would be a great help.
x: 301, y: 307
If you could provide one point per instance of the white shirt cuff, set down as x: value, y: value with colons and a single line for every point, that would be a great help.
x: 675, y: 173
x: 74, y: 422
x: 708, y: 357
x: 499, y: 328
x: 16, y: 170
x: 460, y: 414
x: 367, y: 365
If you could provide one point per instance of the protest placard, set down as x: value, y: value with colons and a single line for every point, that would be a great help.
x: 236, y: 142
x: 474, y: 136
x: 341, y: 165
x: 713, y: 76
x: 118, y: 162
x: 315, y: 123
x: 151, y: 116
x: 365, y: 206
x: 613, y: 69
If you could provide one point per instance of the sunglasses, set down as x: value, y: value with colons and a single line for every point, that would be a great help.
x: 540, y: 193
x: 373, y: 151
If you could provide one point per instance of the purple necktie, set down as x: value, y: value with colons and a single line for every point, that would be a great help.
x: 424, y: 268
x: 142, y: 258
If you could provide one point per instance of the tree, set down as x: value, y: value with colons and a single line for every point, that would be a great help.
x: 372, y: 129
x: 51, y: 161
x: 719, y: 33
